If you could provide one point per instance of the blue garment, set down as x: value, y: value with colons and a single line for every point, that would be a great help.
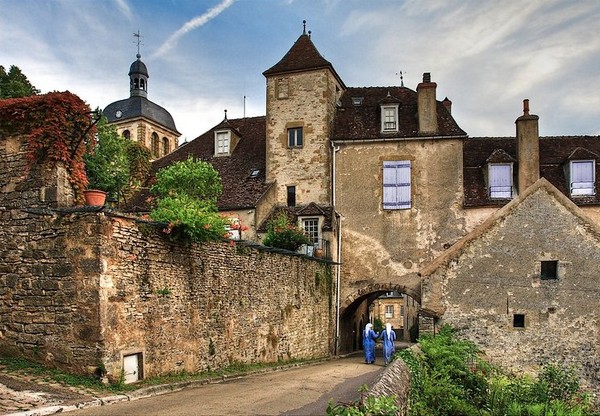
x: 369, y: 337
x: 388, y: 345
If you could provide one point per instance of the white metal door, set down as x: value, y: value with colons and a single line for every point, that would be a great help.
x: 131, y: 368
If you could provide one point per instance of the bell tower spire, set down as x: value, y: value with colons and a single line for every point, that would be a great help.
x: 138, y: 73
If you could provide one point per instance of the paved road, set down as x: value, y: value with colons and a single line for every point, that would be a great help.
x: 298, y: 391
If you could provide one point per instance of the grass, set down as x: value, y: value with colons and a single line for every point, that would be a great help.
x: 22, y: 366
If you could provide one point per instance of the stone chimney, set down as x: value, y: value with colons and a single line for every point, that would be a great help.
x: 426, y: 104
x: 448, y: 104
x: 528, y: 148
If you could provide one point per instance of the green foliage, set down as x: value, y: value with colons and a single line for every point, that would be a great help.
x: 367, y: 406
x: 282, y: 234
x: 106, y: 164
x: 14, y: 84
x: 189, y: 219
x: 192, y: 177
x: 378, y: 325
x: 138, y: 156
x: 448, y: 378
x: 187, y: 193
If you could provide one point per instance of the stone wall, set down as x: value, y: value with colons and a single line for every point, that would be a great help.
x: 82, y: 287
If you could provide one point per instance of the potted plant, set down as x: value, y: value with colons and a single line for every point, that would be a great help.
x: 106, y: 164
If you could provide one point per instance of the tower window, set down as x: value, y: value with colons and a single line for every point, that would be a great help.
x: 165, y: 146
x: 155, y: 145
x: 291, y: 196
x: 518, y: 320
x: 549, y: 270
x: 127, y: 134
x: 295, y: 138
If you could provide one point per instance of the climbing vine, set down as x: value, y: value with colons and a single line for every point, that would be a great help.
x: 57, y: 126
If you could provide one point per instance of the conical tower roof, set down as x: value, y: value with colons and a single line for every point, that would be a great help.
x: 302, y: 56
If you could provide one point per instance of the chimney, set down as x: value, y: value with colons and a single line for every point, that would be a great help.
x: 448, y: 104
x: 426, y: 105
x: 528, y: 148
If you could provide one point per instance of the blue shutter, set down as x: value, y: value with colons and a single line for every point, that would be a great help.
x: 396, y: 185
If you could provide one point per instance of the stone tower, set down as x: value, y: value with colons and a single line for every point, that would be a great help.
x: 302, y: 92
x: 137, y: 118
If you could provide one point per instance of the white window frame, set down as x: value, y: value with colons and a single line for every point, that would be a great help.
x: 222, y: 142
x: 582, y: 183
x: 500, y: 181
x: 389, y: 314
x: 397, y: 184
x: 293, y: 137
x: 389, y: 118
x: 312, y: 227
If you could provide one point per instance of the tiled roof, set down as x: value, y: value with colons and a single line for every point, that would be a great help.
x: 240, y: 190
x: 554, y: 153
x: 302, y: 56
x: 363, y: 121
x: 293, y: 213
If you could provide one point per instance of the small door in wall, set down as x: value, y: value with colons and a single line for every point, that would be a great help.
x: 132, y: 367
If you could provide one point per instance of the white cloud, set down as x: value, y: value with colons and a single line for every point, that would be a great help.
x: 191, y: 25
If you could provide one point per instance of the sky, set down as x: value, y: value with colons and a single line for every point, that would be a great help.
x: 205, y: 56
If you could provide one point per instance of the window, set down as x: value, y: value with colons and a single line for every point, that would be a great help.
x: 295, y: 137
x: 311, y: 228
x: 389, y: 311
x: 291, y: 196
x: 549, y: 270
x: 518, y: 320
x: 221, y: 143
x: 401, y: 310
x: 500, y: 180
x: 155, y: 145
x: 396, y: 185
x: 126, y: 134
x: 165, y: 146
x: 582, y: 174
x: 255, y: 173
x: 357, y: 101
x: 389, y: 118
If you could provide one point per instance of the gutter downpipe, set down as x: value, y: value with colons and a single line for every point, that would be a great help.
x: 336, y: 149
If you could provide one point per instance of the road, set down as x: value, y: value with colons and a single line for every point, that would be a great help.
x: 298, y: 391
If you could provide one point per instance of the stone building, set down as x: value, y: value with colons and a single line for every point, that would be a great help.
x: 139, y: 119
x: 386, y: 180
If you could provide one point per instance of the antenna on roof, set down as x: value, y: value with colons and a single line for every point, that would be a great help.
x: 138, y: 42
x: 245, y: 106
x: 401, y: 73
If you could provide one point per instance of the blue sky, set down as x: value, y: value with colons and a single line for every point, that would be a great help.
x: 204, y: 56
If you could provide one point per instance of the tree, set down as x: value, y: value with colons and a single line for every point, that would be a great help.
x: 106, y: 162
x: 15, y: 84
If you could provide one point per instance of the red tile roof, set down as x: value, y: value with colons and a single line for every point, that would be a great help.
x: 555, y: 152
x: 240, y: 190
x: 360, y: 122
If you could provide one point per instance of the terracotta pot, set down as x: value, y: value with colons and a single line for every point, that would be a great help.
x: 94, y: 197
x: 319, y: 253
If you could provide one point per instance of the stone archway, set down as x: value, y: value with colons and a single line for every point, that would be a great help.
x: 354, y: 308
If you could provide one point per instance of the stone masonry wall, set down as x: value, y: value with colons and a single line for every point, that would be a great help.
x: 81, y: 287
x: 208, y: 306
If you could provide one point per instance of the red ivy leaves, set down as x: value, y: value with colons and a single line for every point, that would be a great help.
x: 56, y: 125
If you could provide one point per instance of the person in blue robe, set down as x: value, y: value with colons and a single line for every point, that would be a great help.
x: 388, y: 336
x: 369, y: 337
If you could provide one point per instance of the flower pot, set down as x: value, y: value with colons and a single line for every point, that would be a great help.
x: 319, y: 253
x: 94, y: 197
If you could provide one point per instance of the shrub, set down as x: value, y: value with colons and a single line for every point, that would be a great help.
x: 282, y: 234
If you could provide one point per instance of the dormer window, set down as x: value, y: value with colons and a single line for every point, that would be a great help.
x: 389, y: 118
x: 582, y: 177
x: 222, y: 142
x: 357, y: 101
x: 500, y: 180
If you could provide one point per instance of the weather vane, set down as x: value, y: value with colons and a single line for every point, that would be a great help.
x: 138, y: 41
x: 401, y: 73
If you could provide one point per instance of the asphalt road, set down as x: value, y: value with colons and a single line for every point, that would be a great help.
x: 297, y: 391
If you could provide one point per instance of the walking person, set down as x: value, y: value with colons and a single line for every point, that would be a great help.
x: 369, y: 337
x: 388, y: 336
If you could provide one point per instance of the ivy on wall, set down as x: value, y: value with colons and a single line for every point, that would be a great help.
x: 57, y: 126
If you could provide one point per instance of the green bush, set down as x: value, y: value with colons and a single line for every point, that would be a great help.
x: 282, y: 234
x: 186, y: 201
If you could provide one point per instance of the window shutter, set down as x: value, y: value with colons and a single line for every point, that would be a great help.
x: 582, y: 177
x: 396, y: 185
